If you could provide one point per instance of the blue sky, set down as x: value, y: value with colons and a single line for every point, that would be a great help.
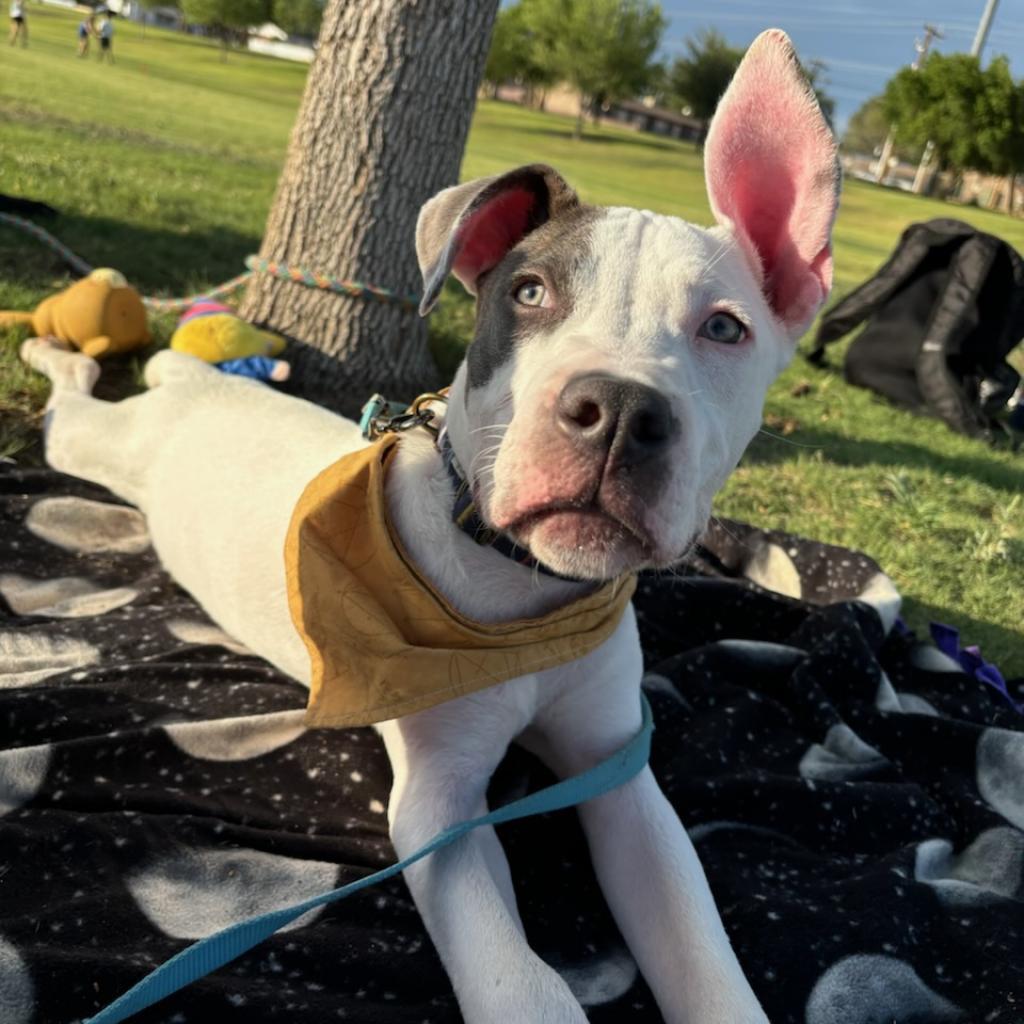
x: 862, y: 41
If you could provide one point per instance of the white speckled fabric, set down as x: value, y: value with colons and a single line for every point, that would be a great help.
x: 857, y: 805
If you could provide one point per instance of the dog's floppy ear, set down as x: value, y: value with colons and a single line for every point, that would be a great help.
x: 773, y: 178
x: 468, y: 229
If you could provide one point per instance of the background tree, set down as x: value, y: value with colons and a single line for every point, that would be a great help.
x: 602, y: 48
x: 227, y: 18
x: 537, y: 35
x: 511, y: 51
x: 381, y: 128
x: 299, y: 17
x: 971, y: 115
x: 697, y: 80
x: 999, y: 125
x: 867, y: 130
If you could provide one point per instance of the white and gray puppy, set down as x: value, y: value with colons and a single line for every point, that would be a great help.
x: 618, y: 371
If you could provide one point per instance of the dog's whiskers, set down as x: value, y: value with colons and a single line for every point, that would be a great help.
x: 786, y: 440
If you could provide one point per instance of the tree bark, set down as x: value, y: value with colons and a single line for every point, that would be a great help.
x: 382, y: 127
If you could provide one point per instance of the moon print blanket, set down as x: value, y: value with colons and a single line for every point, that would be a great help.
x: 856, y: 796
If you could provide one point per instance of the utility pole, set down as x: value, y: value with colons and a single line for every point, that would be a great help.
x: 976, y: 47
x: 983, y: 26
x: 921, y: 47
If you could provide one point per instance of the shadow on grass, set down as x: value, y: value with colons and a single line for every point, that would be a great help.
x: 844, y: 451
x: 155, y: 260
x: 592, y: 135
x: 999, y: 644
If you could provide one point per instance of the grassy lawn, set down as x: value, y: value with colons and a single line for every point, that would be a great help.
x: 164, y: 166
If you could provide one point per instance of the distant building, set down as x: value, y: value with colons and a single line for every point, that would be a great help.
x: 991, y: 191
x: 641, y: 116
x: 163, y: 16
x: 649, y: 118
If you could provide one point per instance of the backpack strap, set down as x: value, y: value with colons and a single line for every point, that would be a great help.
x: 862, y: 302
x: 954, y: 316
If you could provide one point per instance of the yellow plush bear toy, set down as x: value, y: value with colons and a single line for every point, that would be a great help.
x: 102, y: 315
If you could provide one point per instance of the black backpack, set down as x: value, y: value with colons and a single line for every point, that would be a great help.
x: 943, y: 314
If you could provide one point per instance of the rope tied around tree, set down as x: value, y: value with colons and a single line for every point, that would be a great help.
x: 256, y: 265
x: 356, y: 289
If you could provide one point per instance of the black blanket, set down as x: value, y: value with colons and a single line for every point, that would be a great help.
x: 856, y: 798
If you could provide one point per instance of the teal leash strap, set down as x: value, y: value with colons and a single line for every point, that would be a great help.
x: 207, y: 955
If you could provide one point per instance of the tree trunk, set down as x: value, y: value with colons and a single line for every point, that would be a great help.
x: 577, y: 132
x: 382, y: 126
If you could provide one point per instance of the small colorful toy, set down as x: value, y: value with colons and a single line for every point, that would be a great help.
x: 216, y: 334
x: 101, y: 315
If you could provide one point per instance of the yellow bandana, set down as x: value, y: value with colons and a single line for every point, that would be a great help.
x: 383, y: 643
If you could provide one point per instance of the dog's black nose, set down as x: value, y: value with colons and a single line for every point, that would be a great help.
x: 630, y: 421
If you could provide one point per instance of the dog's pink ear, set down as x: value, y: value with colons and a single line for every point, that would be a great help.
x: 773, y: 178
x: 468, y: 229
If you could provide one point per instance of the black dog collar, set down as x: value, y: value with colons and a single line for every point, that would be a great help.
x: 466, y: 517
x: 383, y: 417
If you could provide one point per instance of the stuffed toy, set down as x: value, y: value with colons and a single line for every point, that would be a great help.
x: 101, y: 314
x: 216, y: 334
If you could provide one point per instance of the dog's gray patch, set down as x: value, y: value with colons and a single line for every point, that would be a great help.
x: 89, y: 527
x: 553, y: 252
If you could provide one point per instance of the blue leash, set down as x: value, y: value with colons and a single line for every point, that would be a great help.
x: 207, y: 955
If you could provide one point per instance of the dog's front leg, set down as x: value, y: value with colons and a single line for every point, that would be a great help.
x: 443, y: 759
x: 644, y: 860
x: 657, y: 890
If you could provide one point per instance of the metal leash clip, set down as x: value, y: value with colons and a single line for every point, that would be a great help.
x: 380, y: 417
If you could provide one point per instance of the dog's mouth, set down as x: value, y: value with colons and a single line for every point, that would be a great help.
x: 582, y: 539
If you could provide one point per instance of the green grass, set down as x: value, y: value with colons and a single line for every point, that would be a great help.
x: 164, y: 165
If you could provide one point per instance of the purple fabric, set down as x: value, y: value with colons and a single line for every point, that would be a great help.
x: 947, y: 639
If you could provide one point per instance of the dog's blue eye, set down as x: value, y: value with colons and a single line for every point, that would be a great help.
x: 723, y: 328
x: 533, y: 293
